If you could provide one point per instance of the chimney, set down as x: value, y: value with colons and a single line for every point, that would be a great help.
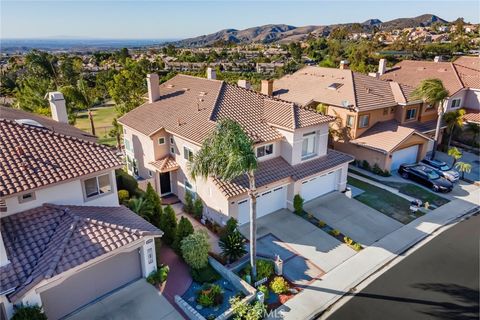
x: 344, y: 65
x: 57, y: 106
x: 244, y: 84
x: 211, y: 74
x: 267, y: 87
x: 382, y: 66
x: 153, y: 85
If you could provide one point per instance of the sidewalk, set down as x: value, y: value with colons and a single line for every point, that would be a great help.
x: 322, y: 293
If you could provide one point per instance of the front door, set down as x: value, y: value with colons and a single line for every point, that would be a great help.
x: 165, y: 187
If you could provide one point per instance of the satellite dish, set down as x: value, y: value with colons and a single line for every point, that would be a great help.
x: 345, y: 103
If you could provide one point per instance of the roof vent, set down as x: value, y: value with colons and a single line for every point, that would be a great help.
x: 170, y: 86
x: 334, y: 86
x: 186, y: 89
x: 202, y: 94
x: 29, y: 122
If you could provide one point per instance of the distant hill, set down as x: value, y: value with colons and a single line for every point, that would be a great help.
x: 283, y: 33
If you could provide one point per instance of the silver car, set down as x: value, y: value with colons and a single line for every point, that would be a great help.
x: 447, y: 172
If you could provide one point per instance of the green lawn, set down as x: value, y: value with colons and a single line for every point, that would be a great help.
x: 102, y: 119
x: 384, y: 201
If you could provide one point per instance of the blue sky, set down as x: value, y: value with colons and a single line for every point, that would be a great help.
x: 180, y: 19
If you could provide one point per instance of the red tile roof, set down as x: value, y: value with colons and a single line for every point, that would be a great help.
x: 32, y: 157
x: 46, y: 241
x: 472, y: 116
x: 277, y: 169
x: 165, y: 164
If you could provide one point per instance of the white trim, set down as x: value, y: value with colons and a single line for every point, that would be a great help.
x: 161, y: 143
x: 99, y: 195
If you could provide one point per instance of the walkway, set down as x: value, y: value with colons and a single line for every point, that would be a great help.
x: 318, y: 296
x: 179, y: 279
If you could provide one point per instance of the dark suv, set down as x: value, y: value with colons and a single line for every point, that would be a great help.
x: 425, y: 175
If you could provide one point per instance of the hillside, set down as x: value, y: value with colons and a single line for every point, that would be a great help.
x: 282, y: 33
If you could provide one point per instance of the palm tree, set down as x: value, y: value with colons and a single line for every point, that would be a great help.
x: 226, y: 154
x: 433, y: 92
x: 453, y: 119
x: 142, y: 207
x: 455, y: 154
x: 463, y: 167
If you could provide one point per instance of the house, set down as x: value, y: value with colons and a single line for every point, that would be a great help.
x: 64, y: 239
x: 268, y: 67
x: 162, y: 136
x: 376, y: 121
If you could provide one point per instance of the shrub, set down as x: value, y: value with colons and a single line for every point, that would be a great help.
x: 158, y: 276
x: 279, y: 285
x: 322, y: 224
x: 334, y: 232
x: 233, y: 246
x: 184, y: 229
x: 210, y: 295
x: 366, y: 165
x: 265, y: 269
x: 198, y: 208
x: 127, y: 182
x: 188, y: 203
x: 376, y: 169
x: 153, y: 198
x: 264, y: 289
x: 231, y: 226
x: 298, y: 204
x: 205, y: 274
x: 26, y: 312
x: 347, y: 240
x: 141, y: 207
x: 123, y: 196
x: 357, y: 247
x: 168, y: 224
x: 195, y: 249
x: 243, y: 310
x: 386, y: 173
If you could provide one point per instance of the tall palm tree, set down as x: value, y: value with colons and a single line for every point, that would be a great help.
x: 433, y: 92
x: 453, y: 119
x: 226, y: 154
x: 455, y: 154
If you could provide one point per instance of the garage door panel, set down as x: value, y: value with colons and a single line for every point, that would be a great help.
x: 407, y: 155
x: 267, y: 202
x: 91, y: 283
x: 318, y: 186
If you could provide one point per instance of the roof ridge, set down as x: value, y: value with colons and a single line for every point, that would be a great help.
x: 113, y: 226
x: 457, y: 75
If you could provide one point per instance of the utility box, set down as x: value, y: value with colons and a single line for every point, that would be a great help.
x: 278, y: 265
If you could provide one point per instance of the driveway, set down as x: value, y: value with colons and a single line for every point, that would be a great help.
x: 292, y: 237
x: 468, y: 157
x: 353, y: 218
x: 138, y: 300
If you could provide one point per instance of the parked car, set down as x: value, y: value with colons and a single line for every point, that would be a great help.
x: 425, y: 175
x: 444, y: 170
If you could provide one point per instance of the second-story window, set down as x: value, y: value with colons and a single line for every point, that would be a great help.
x: 363, y: 121
x: 127, y: 144
x: 187, y: 154
x: 97, y: 185
x: 456, y: 103
x: 350, y: 120
x: 411, y: 113
x: 309, y: 145
x: 264, y: 150
x: 161, y: 140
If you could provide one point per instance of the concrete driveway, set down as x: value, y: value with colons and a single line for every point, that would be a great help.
x: 353, y: 218
x: 293, y: 237
x: 139, y: 300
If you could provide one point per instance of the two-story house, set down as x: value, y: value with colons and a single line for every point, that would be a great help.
x: 64, y: 239
x: 162, y: 136
x: 376, y: 120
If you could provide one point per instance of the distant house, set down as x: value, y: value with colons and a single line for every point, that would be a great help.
x: 162, y: 137
x: 268, y: 67
x: 64, y: 239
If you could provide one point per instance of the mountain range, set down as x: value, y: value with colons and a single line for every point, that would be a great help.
x: 282, y: 33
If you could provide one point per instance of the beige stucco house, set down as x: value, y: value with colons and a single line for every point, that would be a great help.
x: 162, y: 136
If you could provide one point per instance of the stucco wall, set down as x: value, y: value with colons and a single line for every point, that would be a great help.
x: 462, y: 94
x: 64, y: 193
x: 361, y: 153
x: 472, y: 99
x: 143, y: 150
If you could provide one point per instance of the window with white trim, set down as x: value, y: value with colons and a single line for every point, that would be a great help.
x: 172, y: 150
x: 411, y: 114
x: 127, y: 144
x: 171, y: 140
x: 97, y: 186
x: 264, y: 150
x: 350, y: 120
x: 187, y: 154
x: 309, y: 148
x: 161, y: 140
x: 26, y: 197
x: 456, y: 103
x: 363, y: 121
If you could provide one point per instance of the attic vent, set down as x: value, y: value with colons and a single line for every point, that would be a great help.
x: 29, y: 122
x: 334, y: 86
x: 368, y: 90
x: 442, y: 70
x: 3, y: 206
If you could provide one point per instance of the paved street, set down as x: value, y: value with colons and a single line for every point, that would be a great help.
x: 438, y: 281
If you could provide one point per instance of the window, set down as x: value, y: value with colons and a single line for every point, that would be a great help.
x: 97, y: 185
x: 411, y: 113
x: 127, y: 144
x: 456, y: 103
x: 150, y: 255
x: 172, y: 150
x: 187, y: 154
x: 308, y: 145
x: 385, y: 111
x: 150, y: 173
x: 363, y: 123
x: 171, y: 140
x: 161, y: 140
x: 264, y: 150
x: 350, y: 120
x: 26, y: 197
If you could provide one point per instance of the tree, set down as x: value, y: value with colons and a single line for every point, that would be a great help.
x: 433, y: 92
x: 168, y: 224
x: 184, y: 229
x: 463, y: 167
x: 455, y: 154
x: 151, y: 196
x: 228, y: 153
x: 116, y: 132
x: 453, y: 119
x: 141, y: 207
x: 26, y: 312
x: 474, y: 129
x: 195, y: 249
x: 233, y: 246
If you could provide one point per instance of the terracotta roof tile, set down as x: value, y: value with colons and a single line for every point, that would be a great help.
x: 472, y: 116
x: 32, y: 157
x: 165, y: 164
x: 46, y: 241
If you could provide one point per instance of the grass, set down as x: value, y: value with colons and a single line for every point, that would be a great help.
x: 102, y: 119
x: 384, y: 201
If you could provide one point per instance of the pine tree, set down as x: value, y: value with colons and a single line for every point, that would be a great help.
x: 184, y: 229
x: 168, y: 224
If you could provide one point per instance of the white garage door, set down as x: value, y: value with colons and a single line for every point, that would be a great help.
x: 87, y: 285
x: 407, y: 155
x: 320, y: 185
x: 267, y: 202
